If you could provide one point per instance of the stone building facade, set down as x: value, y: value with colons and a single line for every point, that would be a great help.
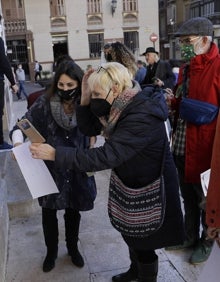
x: 44, y: 29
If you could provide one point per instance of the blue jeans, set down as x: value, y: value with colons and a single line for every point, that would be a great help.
x: 21, y: 89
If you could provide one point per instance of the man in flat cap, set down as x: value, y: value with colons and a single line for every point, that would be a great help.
x: 193, y: 136
x: 159, y: 72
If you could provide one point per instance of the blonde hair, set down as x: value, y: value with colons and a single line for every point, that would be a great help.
x: 110, y: 74
x: 156, y: 57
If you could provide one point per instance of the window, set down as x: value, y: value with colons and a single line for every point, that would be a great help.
x: 130, y: 5
x: 195, y: 12
x: 131, y: 40
x: 13, y: 9
x: 208, y: 8
x: 57, y: 8
x: 171, y: 14
x: 94, y: 6
x: 17, y: 51
x: 96, y: 41
x: 20, y: 4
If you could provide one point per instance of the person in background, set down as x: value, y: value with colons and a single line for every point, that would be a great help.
x: 54, y: 115
x: 5, y: 70
x: 118, y: 52
x: 106, y: 51
x: 20, y: 74
x: 89, y: 67
x: 199, y: 79
x: 213, y: 194
x: 159, y: 72
x: 141, y: 72
x: 132, y: 122
x: 175, y: 65
x: 37, y: 71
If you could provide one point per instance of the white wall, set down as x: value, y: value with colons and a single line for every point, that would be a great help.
x: 38, y: 21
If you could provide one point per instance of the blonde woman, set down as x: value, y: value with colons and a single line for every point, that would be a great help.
x: 132, y: 121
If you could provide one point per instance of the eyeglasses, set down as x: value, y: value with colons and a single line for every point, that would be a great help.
x: 188, y: 40
x: 105, y: 70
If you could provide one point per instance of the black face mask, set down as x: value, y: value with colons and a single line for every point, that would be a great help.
x: 108, y: 57
x: 68, y: 94
x: 100, y: 107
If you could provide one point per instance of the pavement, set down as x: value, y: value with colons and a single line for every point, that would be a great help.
x: 102, y: 247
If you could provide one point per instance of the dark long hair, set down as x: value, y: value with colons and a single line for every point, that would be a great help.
x: 69, y: 68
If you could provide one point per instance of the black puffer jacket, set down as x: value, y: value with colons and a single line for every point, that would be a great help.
x: 135, y: 151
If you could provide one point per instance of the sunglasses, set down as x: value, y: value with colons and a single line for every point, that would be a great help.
x: 105, y: 70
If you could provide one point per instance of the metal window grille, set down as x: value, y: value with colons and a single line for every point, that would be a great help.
x: 96, y: 42
x: 131, y: 40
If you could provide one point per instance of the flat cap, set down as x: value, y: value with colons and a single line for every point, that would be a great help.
x: 196, y: 26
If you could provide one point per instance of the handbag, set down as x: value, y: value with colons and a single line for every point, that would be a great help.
x: 197, y: 112
x: 137, y: 212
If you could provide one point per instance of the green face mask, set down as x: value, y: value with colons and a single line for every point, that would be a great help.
x: 187, y: 52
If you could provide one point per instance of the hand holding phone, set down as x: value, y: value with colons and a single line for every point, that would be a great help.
x: 30, y: 131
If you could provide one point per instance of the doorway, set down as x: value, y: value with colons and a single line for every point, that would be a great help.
x: 59, y: 46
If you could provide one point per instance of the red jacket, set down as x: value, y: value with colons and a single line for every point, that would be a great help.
x: 204, y: 85
x: 213, y: 196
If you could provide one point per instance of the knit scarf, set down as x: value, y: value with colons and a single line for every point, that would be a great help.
x: 65, y: 121
x: 182, y: 89
x: 119, y: 104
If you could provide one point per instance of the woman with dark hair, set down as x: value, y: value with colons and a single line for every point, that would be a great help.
x: 54, y: 116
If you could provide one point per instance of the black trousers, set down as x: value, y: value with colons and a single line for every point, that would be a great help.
x: 50, y: 228
x: 37, y: 75
x: 193, y: 198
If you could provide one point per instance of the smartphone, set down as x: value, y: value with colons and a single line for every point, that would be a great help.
x: 30, y: 131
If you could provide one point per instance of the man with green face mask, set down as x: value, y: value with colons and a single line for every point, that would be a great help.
x: 199, y: 79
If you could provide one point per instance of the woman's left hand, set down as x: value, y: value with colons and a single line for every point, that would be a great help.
x: 42, y: 151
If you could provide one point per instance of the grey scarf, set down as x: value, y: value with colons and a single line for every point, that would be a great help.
x: 64, y: 120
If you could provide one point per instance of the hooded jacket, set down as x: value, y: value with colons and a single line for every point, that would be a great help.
x: 135, y: 151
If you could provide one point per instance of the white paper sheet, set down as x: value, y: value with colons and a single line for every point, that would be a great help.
x: 205, y: 181
x: 211, y: 270
x: 35, y: 172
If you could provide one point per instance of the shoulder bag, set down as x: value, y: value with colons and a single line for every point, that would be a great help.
x: 195, y: 111
x: 137, y: 212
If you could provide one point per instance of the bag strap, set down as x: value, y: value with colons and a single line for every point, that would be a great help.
x: 185, y: 78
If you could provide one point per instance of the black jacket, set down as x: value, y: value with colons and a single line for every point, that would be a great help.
x: 135, y: 151
x: 76, y: 189
x: 5, y: 67
x: 161, y: 70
